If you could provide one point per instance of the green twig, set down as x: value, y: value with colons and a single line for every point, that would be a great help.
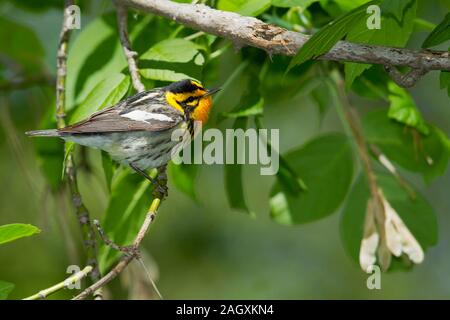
x: 69, y: 281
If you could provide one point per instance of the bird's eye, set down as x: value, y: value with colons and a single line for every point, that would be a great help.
x: 190, y: 99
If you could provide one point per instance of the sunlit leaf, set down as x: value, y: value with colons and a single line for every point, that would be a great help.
x: 293, y: 3
x: 106, y: 93
x: 403, y: 109
x: 244, y: 7
x: 172, y: 50
x: 13, y: 231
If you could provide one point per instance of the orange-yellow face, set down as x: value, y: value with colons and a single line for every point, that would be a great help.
x: 190, y: 96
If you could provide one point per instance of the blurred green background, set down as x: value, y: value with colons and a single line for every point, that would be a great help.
x: 205, y: 250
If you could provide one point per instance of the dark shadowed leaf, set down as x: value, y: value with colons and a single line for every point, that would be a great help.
x: 233, y: 175
x: 440, y: 34
x: 405, y: 146
x: 5, y: 289
x: 397, y: 23
x: 326, y: 166
x: 445, y: 81
x: 183, y: 177
x: 21, y: 46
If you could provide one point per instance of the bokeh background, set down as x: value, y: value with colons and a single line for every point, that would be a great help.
x: 204, y: 249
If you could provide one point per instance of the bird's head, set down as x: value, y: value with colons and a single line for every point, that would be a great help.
x: 190, y: 98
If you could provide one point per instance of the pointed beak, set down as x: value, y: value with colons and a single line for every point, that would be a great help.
x: 211, y: 92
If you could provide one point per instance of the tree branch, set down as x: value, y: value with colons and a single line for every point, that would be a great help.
x: 71, y: 280
x: 250, y: 31
x: 81, y: 211
x: 127, y: 258
x: 130, y: 55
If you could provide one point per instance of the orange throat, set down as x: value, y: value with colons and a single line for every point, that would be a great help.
x: 201, y: 112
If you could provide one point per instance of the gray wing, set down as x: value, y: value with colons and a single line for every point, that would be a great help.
x: 146, y: 111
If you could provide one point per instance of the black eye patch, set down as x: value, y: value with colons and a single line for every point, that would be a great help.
x: 189, y: 100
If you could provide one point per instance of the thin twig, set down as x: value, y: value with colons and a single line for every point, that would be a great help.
x: 408, y: 79
x: 69, y: 281
x: 81, y: 211
x: 130, y: 55
x: 126, y: 259
x: 376, y: 198
x: 250, y: 31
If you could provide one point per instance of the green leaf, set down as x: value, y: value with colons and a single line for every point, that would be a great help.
x: 445, y: 81
x: 251, y: 104
x: 163, y: 75
x: 293, y: 3
x: 128, y: 204
x: 233, y: 175
x: 108, y: 168
x: 348, y: 5
x: 417, y: 214
x: 244, y: 7
x: 183, y: 178
x: 172, y: 60
x: 250, y: 110
x: 21, y: 46
x: 325, y: 39
x: 172, y: 50
x: 287, y: 177
x: 5, y: 289
x: 322, y: 98
x: 326, y: 166
x: 440, y: 34
x: 94, y: 55
x: 13, y: 231
x: 397, y: 24
x: 96, y: 52
x: 427, y: 155
x: 106, y: 93
x: 403, y: 109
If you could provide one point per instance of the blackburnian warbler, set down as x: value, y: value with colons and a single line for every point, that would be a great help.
x: 138, y: 130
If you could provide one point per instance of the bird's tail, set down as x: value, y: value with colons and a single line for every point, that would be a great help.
x: 43, y: 133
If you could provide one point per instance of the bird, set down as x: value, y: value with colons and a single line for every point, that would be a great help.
x: 138, y: 130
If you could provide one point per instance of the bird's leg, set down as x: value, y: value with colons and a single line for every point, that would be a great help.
x: 161, y: 191
x: 159, y: 183
x: 144, y: 174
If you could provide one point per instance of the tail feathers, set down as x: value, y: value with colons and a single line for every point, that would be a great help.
x: 43, y: 133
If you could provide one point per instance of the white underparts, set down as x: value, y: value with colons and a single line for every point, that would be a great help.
x: 139, y: 115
